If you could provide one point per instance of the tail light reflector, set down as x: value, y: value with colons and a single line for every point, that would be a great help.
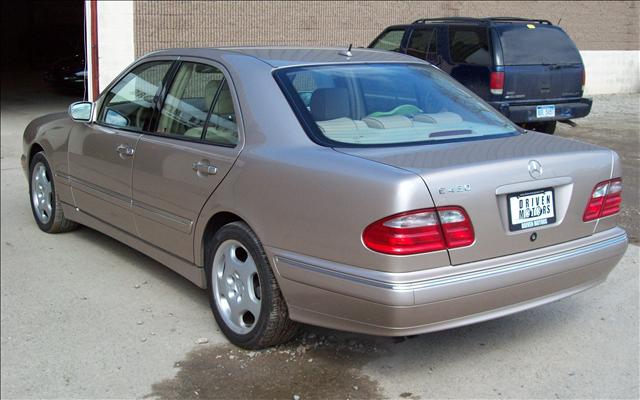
x: 605, y: 200
x: 420, y: 231
x: 496, y: 82
x: 584, y: 78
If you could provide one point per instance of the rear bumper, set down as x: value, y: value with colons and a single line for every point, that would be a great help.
x: 397, y: 304
x: 521, y: 113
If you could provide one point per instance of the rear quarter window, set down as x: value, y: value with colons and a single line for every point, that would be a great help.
x: 536, y: 44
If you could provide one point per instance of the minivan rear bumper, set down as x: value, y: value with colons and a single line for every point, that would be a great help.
x: 361, y: 300
x: 526, y: 112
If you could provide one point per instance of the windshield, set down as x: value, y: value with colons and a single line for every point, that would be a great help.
x: 387, y: 104
x: 536, y: 44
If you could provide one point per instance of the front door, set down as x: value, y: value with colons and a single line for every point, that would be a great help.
x: 177, y: 168
x: 101, y: 153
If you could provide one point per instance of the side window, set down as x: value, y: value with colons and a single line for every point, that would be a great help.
x: 469, y: 45
x: 423, y: 44
x: 189, y: 100
x: 222, y: 128
x: 390, y: 40
x: 129, y: 104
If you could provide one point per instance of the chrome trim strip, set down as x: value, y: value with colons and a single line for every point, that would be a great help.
x: 185, y: 224
x: 62, y: 175
x: 100, y: 189
x: 464, y: 277
x: 164, y: 215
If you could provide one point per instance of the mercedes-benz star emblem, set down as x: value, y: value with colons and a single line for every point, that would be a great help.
x: 535, y: 169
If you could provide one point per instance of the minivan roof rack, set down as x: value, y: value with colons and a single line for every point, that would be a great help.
x: 487, y: 20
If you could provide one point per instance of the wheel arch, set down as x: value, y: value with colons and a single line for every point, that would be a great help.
x: 33, y: 150
x: 214, y: 223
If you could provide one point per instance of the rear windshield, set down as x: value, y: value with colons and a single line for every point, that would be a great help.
x: 387, y: 104
x: 536, y: 44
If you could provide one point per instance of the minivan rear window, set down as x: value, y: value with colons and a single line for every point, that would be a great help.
x: 536, y: 44
x: 386, y: 104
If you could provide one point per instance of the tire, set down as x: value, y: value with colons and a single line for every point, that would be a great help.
x: 42, y: 191
x: 234, y: 260
x: 544, y: 127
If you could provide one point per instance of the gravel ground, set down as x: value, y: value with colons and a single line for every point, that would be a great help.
x: 83, y: 316
x: 614, y: 122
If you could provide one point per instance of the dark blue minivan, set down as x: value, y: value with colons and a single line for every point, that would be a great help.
x: 529, y: 70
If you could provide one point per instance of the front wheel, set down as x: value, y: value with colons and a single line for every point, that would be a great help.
x: 45, y: 205
x: 243, y: 292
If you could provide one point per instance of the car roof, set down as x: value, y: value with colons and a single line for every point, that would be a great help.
x: 280, y: 56
x: 486, y: 21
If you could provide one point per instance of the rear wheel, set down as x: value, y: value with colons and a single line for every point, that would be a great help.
x: 544, y: 127
x: 45, y: 204
x: 243, y: 292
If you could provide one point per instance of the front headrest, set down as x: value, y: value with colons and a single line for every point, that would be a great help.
x: 330, y: 103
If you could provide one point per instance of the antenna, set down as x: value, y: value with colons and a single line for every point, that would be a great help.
x: 559, y: 21
x: 346, y: 53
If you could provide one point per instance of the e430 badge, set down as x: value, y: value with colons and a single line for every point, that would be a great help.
x: 455, y: 189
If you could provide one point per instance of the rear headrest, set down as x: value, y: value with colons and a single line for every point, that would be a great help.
x: 330, y: 103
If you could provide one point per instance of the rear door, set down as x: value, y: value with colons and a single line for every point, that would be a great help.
x: 470, y: 57
x: 540, y: 62
x: 195, y: 142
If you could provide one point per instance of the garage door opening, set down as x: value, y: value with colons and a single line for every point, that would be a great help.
x: 43, y: 49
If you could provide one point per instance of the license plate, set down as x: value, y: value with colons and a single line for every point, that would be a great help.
x: 531, y: 209
x: 545, y: 111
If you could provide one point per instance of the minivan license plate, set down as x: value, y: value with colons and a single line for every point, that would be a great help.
x: 545, y: 111
x: 531, y: 209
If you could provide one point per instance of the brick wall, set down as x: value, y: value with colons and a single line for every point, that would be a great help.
x: 602, y: 25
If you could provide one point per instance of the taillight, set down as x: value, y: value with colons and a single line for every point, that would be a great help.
x: 605, y: 200
x: 584, y: 78
x: 420, y: 231
x: 496, y: 82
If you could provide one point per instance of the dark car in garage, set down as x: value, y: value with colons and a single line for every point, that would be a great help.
x: 529, y: 70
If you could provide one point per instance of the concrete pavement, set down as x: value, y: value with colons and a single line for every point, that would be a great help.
x: 83, y: 316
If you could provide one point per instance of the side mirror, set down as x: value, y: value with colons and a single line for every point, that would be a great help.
x: 81, y: 111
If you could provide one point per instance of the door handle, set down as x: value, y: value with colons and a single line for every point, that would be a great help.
x: 204, y: 168
x: 125, y: 151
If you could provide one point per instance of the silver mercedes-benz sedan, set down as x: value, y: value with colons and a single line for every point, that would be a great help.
x: 358, y: 190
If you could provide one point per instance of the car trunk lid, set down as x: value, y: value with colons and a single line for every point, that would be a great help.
x: 480, y: 175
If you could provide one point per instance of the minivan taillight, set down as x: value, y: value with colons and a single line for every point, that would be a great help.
x: 605, y: 200
x: 496, y: 82
x: 584, y: 78
x: 420, y: 231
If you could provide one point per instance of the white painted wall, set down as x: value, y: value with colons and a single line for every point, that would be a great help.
x: 115, y: 39
x: 611, y: 71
